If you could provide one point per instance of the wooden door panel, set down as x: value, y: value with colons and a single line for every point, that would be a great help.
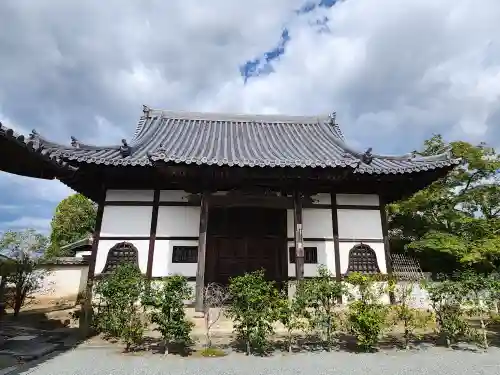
x: 246, y: 239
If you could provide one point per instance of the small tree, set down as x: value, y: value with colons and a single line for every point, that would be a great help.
x: 24, y: 249
x: 215, y: 297
x: 168, y: 313
x: 321, y: 296
x: 253, y: 309
x: 291, y: 312
x: 447, y: 297
x: 480, y: 301
x: 367, y: 316
x: 404, y: 312
x: 119, y: 313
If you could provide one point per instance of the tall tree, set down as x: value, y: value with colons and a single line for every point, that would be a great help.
x: 455, y: 222
x: 73, y: 220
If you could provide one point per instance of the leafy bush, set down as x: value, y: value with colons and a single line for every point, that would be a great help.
x: 366, y: 316
x: 411, y: 318
x: 446, y: 298
x: 168, y: 313
x: 253, y: 309
x: 481, y: 294
x: 291, y: 312
x: 119, y: 314
x: 321, y: 296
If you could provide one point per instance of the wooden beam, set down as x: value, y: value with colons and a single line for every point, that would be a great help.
x: 387, y: 249
x: 87, y: 308
x: 152, y: 234
x: 202, y: 247
x: 299, y: 238
x: 336, y: 241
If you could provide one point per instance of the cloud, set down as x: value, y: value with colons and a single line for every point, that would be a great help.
x: 395, y: 72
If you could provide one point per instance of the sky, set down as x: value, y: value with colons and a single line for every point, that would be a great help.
x: 395, y: 72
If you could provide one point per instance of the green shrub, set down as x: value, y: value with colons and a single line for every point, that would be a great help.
x: 290, y: 313
x: 321, y: 296
x: 411, y: 318
x: 366, y: 316
x: 252, y: 308
x: 119, y: 314
x: 447, y: 298
x: 167, y: 303
x: 481, y: 293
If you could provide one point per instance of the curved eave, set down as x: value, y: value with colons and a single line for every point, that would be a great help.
x: 386, y: 166
x: 23, y: 156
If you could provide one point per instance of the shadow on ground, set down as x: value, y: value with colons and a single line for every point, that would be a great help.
x: 34, y: 337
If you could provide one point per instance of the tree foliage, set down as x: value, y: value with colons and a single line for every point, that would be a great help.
x: 455, y: 222
x: 73, y: 220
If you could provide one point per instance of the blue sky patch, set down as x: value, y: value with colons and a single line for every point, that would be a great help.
x: 262, y: 65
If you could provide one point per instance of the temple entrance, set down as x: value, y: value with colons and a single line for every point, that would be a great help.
x: 246, y: 239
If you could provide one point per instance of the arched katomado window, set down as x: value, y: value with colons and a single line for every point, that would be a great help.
x: 122, y: 252
x: 362, y: 259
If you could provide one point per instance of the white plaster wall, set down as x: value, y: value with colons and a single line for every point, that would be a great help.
x: 178, y: 221
x: 129, y: 195
x: 345, y: 247
x: 79, y: 254
x: 364, y: 224
x: 64, y: 281
x: 105, y: 245
x: 322, y: 198
x: 124, y: 221
x: 358, y: 199
x: 317, y: 223
x: 326, y: 256
x: 173, y: 196
x: 162, y: 259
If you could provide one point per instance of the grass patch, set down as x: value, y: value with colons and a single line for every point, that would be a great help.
x: 212, y: 352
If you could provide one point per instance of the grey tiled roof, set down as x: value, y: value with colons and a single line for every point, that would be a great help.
x: 32, y: 145
x: 238, y: 140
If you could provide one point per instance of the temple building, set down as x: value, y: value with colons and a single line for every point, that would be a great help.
x: 211, y: 196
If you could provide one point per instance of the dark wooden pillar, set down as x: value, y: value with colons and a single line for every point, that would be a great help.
x: 152, y: 233
x: 202, y: 247
x: 336, y: 243
x: 85, y: 323
x: 387, y: 249
x: 299, y: 238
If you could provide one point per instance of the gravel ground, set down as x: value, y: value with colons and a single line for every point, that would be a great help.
x: 106, y: 361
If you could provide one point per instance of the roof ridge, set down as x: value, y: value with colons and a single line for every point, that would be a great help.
x: 237, y: 117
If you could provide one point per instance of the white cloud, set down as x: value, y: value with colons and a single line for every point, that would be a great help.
x: 395, y: 71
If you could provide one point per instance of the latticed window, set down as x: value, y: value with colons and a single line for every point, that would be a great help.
x: 185, y: 254
x: 362, y: 259
x: 310, y: 255
x: 123, y: 252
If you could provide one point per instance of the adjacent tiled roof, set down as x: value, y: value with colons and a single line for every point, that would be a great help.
x: 32, y: 145
x: 238, y: 140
